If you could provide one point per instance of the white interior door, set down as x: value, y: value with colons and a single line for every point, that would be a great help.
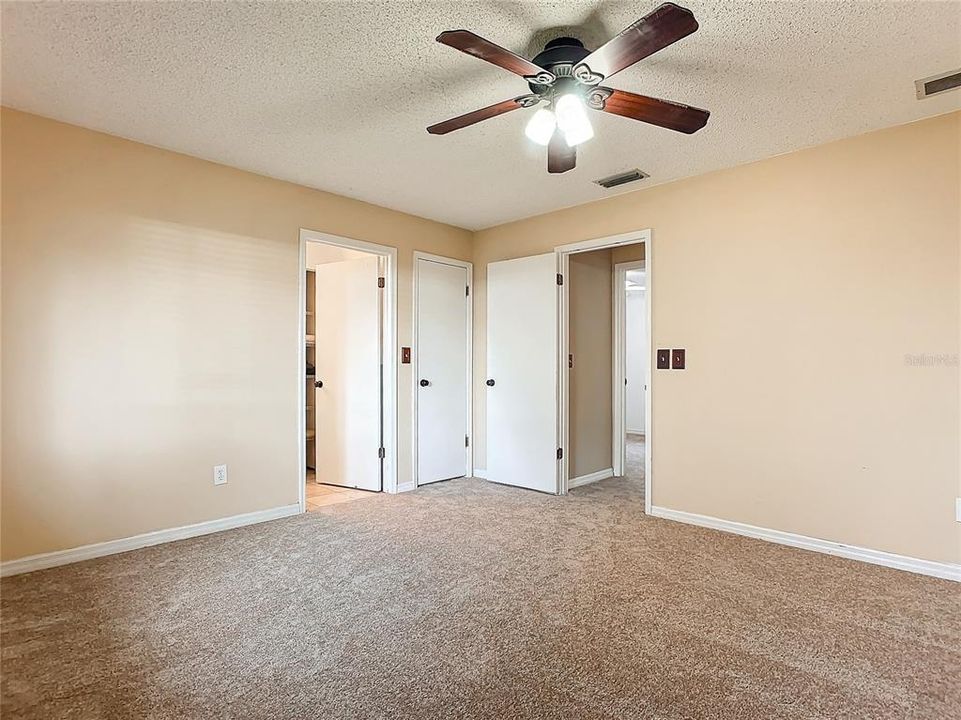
x: 636, y: 361
x: 522, y: 321
x: 348, y: 383
x: 442, y: 368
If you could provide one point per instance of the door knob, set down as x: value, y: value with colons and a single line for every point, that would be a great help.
x: 318, y: 383
x: 490, y: 383
x: 424, y: 383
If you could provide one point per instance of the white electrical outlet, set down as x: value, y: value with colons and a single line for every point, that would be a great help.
x: 957, y: 509
x: 220, y: 474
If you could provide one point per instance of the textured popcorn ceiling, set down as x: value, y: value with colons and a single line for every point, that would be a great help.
x: 336, y: 95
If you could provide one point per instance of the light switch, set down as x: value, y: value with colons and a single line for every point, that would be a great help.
x: 677, y: 358
x: 664, y: 359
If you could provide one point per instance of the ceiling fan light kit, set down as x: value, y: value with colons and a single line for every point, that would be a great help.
x: 572, y: 119
x: 540, y: 128
x: 567, y: 76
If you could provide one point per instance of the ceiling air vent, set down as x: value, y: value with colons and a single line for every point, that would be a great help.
x: 622, y: 178
x: 937, y: 84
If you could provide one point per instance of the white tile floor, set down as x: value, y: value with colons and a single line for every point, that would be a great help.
x: 320, y: 496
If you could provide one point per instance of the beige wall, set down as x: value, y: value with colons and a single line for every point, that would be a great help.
x: 105, y: 241
x: 800, y: 286
x: 591, y: 416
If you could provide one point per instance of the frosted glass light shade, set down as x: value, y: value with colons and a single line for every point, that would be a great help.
x: 572, y: 119
x: 540, y: 128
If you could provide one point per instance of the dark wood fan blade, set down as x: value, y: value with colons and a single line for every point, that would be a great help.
x: 560, y: 156
x: 442, y: 128
x: 664, y: 113
x: 664, y: 25
x: 475, y: 45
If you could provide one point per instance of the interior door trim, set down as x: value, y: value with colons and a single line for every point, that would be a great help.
x: 415, y: 376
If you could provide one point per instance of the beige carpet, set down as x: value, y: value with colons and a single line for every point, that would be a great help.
x: 470, y: 600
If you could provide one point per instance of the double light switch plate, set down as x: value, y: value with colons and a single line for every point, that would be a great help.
x: 668, y: 359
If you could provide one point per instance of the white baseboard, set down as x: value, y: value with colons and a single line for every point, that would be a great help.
x: 480, y: 473
x: 112, y: 547
x: 948, y: 571
x: 590, y: 478
x: 406, y: 487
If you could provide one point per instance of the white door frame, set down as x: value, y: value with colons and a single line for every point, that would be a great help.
x: 415, y: 373
x: 619, y: 357
x: 388, y: 350
x: 564, y: 252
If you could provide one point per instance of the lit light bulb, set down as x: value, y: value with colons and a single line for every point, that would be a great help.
x: 540, y: 128
x: 572, y: 119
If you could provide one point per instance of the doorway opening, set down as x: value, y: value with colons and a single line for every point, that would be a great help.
x: 604, y: 399
x: 554, y: 386
x: 631, y: 356
x: 347, y: 429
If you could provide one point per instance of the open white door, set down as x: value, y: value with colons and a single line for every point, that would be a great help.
x: 442, y: 368
x: 636, y: 353
x: 348, y: 383
x: 522, y: 323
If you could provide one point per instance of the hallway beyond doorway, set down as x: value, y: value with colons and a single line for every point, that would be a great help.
x: 634, y: 469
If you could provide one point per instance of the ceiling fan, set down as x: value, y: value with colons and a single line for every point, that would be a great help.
x: 567, y: 78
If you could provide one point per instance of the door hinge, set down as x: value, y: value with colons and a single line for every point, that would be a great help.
x: 467, y: 290
x: 381, y: 453
x: 381, y: 282
x: 466, y: 441
x: 560, y: 453
x: 560, y: 279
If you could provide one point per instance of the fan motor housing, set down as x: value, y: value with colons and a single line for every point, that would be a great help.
x: 559, y: 56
